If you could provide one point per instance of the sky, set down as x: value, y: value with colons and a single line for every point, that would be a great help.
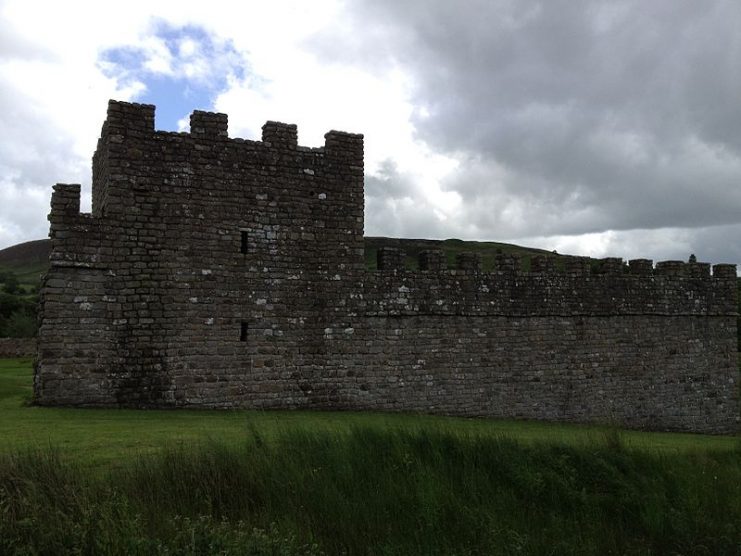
x: 601, y: 128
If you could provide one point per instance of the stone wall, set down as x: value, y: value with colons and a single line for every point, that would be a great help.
x: 17, y: 347
x: 217, y: 272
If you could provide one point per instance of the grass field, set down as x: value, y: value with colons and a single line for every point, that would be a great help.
x: 245, y: 482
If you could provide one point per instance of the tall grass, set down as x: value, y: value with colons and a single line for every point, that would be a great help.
x: 374, y: 491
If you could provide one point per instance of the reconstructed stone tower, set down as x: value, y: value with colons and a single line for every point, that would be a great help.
x: 218, y: 272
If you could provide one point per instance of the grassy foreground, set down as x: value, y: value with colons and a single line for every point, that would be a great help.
x: 201, y: 482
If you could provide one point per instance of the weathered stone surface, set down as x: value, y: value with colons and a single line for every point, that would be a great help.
x: 218, y: 272
x: 17, y: 347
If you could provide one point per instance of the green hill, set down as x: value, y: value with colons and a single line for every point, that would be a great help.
x: 27, y: 261
x: 21, y: 269
x: 451, y: 248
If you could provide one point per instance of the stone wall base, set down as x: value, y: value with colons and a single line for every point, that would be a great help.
x: 17, y: 347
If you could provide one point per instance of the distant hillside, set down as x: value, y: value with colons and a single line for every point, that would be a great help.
x: 451, y: 247
x: 28, y: 261
x: 21, y: 269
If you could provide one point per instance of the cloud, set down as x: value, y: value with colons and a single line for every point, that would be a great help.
x: 247, y: 61
x: 591, y: 126
x: 54, y: 100
x: 570, y: 118
x: 179, y: 69
x: 710, y: 244
x: 396, y: 205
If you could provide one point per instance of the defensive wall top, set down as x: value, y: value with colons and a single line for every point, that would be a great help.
x: 125, y: 119
x: 391, y: 259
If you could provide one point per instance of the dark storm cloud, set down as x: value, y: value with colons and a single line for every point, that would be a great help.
x: 571, y: 116
x: 388, y: 183
x: 711, y: 244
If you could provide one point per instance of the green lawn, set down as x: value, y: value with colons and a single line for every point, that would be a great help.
x: 105, y: 437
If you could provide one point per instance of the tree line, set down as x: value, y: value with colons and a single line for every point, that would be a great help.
x: 18, y: 307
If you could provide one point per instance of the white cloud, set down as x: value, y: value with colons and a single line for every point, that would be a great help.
x: 574, y: 126
x: 69, y: 87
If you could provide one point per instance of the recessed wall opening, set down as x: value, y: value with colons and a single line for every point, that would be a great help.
x: 244, y: 247
x: 243, y: 331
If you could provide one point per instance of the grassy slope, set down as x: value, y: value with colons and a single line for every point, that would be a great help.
x: 451, y: 247
x: 101, y: 437
x: 28, y: 261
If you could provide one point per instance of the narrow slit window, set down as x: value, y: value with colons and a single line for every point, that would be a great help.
x: 244, y: 248
x: 243, y: 332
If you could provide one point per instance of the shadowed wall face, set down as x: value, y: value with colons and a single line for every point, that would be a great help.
x: 218, y: 272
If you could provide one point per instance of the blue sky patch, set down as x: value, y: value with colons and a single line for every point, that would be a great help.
x: 182, y: 69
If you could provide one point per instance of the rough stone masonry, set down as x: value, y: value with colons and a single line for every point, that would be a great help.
x: 220, y: 272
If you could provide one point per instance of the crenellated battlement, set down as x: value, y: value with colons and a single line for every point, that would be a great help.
x: 552, y: 286
x: 126, y: 119
x: 394, y: 259
x: 128, y: 137
x: 228, y: 272
x: 65, y: 201
x: 209, y: 125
